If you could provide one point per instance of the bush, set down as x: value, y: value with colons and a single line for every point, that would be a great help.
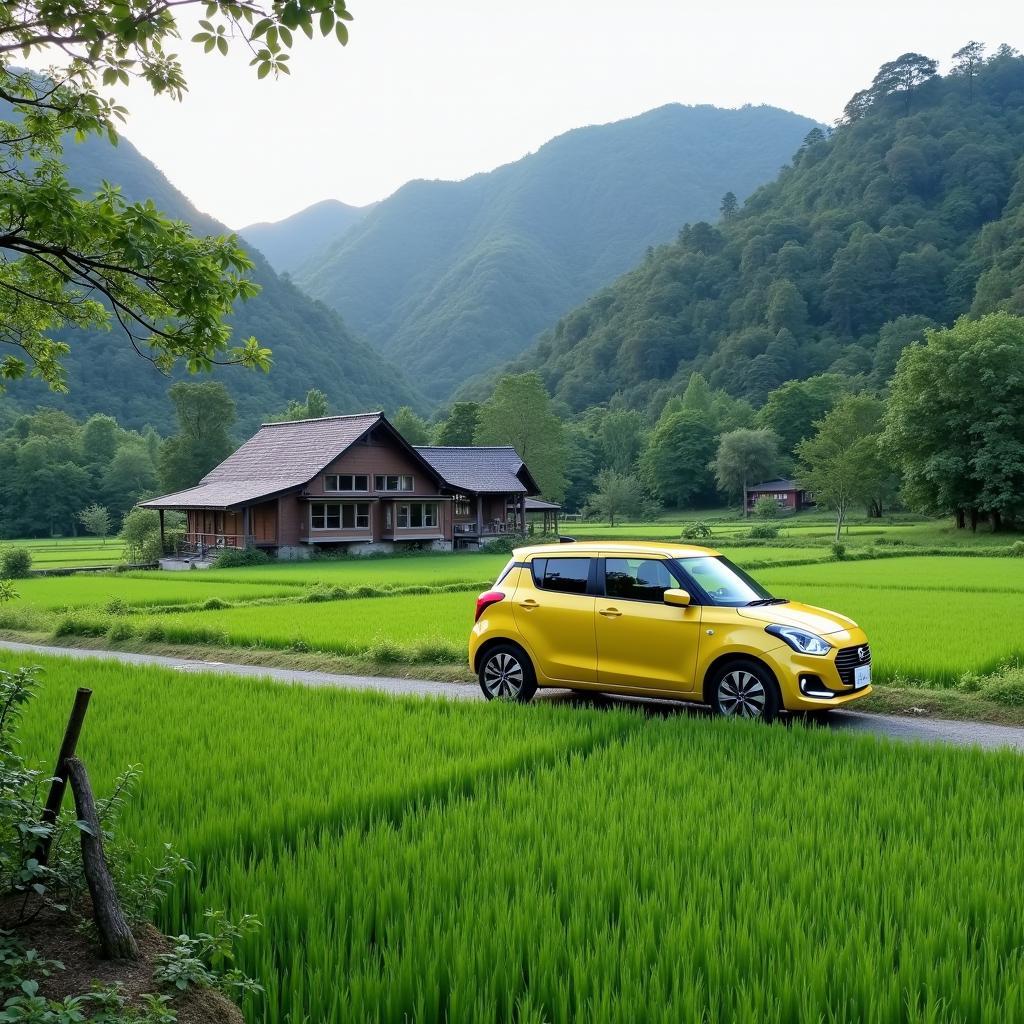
x: 505, y: 545
x: 234, y: 558
x: 696, y: 531
x: 766, y: 508
x: 763, y: 531
x: 212, y: 604
x: 889, y: 541
x: 15, y: 563
x: 1017, y: 550
x: 120, y: 631
x: 838, y: 551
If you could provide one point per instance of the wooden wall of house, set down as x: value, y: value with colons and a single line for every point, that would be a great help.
x: 377, y: 456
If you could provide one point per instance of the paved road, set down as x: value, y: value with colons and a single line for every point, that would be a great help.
x: 934, y: 730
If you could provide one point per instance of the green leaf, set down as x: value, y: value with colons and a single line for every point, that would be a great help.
x: 263, y: 70
x: 326, y: 22
x: 222, y: 45
x: 341, y: 31
x: 261, y: 27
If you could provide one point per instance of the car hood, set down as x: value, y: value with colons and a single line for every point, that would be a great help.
x: 817, y: 620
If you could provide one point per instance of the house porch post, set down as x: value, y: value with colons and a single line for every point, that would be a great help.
x: 479, y: 515
x: 163, y: 549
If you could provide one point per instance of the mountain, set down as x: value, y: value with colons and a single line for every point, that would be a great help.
x: 906, y: 216
x: 450, y: 278
x: 312, y: 347
x: 289, y: 243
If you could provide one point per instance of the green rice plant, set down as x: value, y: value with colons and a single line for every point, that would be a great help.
x: 667, y: 876
x: 385, y: 629
x: 967, y: 575
x: 234, y: 763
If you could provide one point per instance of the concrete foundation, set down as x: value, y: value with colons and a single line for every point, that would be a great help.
x: 184, y: 564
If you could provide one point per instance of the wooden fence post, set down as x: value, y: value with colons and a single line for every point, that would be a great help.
x: 116, y: 938
x: 60, y: 776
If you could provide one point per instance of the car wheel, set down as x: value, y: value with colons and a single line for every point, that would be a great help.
x: 745, y: 689
x: 506, y: 674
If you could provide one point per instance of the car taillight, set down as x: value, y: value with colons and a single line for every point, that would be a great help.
x: 484, y: 601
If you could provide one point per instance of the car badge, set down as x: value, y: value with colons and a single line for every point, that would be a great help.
x: 862, y: 653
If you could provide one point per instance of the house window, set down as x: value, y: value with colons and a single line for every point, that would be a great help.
x: 346, y: 482
x: 392, y: 483
x: 417, y: 515
x: 461, y: 506
x: 329, y: 515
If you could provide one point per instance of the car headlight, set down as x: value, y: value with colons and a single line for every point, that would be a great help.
x: 800, y: 639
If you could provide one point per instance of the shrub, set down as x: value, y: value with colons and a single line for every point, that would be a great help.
x: 763, y: 531
x: 15, y: 563
x: 1017, y: 549
x: 212, y: 604
x: 838, y: 550
x: 505, y: 545
x: 889, y: 541
x: 766, y: 508
x: 120, y: 630
x: 234, y: 558
x: 116, y: 606
x: 696, y: 531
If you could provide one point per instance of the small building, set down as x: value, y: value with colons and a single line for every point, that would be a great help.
x: 787, y: 494
x: 544, y: 513
x: 350, y: 482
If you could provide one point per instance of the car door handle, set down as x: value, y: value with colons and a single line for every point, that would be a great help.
x: 610, y: 613
x: 529, y: 603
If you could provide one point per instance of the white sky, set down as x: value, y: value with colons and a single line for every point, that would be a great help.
x: 445, y: 89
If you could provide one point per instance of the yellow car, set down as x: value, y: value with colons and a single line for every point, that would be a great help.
x: 661, y: 620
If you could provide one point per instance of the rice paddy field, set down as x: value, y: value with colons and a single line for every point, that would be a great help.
x: 66, y: 552
x: 931, y: 618
x: 428, y: 862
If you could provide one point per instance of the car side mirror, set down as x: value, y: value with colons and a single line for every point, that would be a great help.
x: 679, y: 598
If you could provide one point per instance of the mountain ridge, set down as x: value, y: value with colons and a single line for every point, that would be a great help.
x: 449, y: 278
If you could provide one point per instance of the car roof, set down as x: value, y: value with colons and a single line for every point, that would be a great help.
x: 615, y: 547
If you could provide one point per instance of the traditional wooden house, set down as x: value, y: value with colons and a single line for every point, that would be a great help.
x: 352, y: 482
x: 787, y: 494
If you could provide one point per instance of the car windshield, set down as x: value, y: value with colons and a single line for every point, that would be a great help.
x: 725, y: 583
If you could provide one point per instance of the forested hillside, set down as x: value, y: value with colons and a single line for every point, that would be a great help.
x: 293, y: 241
x: 908, y: 214
x: 451, y: 278
x: 310, y: 343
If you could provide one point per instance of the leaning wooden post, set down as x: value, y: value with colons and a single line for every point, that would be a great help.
x: 116, y: 938
x: 60, y: 779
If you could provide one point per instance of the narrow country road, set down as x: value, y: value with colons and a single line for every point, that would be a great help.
x: 965, y: 734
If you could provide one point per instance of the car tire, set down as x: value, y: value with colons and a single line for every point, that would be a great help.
x: 745, y: 689
x: 507, y: 674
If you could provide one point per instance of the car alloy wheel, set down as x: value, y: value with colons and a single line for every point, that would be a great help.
x: 503, y: 676
x: 741, y: 694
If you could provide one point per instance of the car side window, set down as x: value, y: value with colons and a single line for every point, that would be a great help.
x: 567, y: 575
x: 638, y: 579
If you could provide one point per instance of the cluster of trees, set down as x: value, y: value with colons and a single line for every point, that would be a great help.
x: 945, y: 437
x: 53, y: 467
x: 904, y: 217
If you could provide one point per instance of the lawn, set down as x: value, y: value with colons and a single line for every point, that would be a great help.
x: 421, y: 861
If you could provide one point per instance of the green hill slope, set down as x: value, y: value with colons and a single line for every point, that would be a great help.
x: 895, y: 218
x: 450, y: 278
x: 312, y: 346
x: 293, y: 241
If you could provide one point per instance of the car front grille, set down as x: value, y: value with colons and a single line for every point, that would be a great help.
x: 849, y: 658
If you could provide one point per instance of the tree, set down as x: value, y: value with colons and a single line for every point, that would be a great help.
x: 966, y: 62
x: 856, y: 107
x: 312, y: 408
x: 617, y: 494
x: 130, y: 475
x: 622, y: 439
x: 412, y: 427
x: 205, y: 412
x: 843, y: 462
x: 955, y: 421
x: 730, y: 204
x: 100, y: 438
x: 674, y: 466
x: 793, y: 408
x: 519, y: 413
x: 744, y: 457
x: 73, y: 261
x: 904, y: 75
x: 460, y: 426
x: 96, y: 519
